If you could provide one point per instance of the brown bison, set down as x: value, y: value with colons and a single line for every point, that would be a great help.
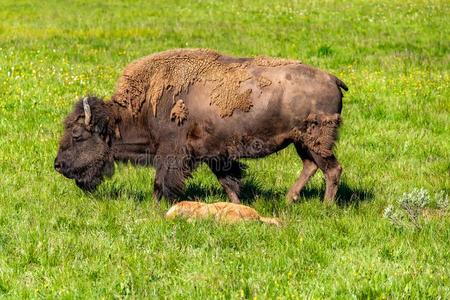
x: 176, y: 109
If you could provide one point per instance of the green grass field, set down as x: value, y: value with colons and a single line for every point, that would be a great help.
x: 56, y: 241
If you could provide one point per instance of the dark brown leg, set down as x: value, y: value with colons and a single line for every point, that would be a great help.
x: 309, y: 169
x: 171, y: 173
x: 232, y: 194
x: 229, y: 174
x: 169, y: 183
x: 332, y: 171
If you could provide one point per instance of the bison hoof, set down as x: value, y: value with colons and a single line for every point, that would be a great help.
x: 328, y: 201
x: 235, y: 201
x: 290, y: 198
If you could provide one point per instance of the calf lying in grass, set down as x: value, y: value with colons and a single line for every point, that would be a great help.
x: 221, y: 211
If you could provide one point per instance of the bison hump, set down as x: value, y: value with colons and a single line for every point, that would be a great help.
x: 148, y: 78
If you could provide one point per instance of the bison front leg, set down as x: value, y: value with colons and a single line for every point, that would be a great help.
x: 171, y: 173
x: 229, y: 173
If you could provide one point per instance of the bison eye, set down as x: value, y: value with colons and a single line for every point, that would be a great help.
x: 77, y: 132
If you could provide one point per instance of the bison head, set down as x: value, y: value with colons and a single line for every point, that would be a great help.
x: 85, y: 149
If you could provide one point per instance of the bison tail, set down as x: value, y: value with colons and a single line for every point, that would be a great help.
x: 341, y: 84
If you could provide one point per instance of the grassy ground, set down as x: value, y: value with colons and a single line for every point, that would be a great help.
x: 56, y: 241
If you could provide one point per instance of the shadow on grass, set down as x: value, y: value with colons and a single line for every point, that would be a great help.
x: 346, y: 195
x: 252, y: 189
x: 117, y: 192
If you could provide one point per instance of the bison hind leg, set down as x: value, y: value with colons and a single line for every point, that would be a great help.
x: 314, y: 141
x: 330, y: 167
x: 309, y: 169
x: 332, y: 171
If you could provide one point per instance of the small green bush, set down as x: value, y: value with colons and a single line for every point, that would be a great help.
x: 410, y: 206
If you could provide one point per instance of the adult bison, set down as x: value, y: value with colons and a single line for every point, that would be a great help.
x: 176, y: 109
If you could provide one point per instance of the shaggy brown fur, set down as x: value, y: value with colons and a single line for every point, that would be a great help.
x: 263, y: 82
x: 179, y: 112
x: 221, y: 211
x: 318, y: 133
x: 148, y: 78
x: 264, y: 61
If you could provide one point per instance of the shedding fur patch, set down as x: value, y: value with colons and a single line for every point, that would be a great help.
x: 264, y: 61
x: 175, y: 70
x: 263, y: 82
x: 318, y: 133
x: 179, y: 112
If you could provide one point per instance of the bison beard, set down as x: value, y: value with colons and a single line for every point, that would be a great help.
x: 89, y: 177
x: 92, y: 177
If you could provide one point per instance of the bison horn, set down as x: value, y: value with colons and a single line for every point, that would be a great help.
x: 87, y: 111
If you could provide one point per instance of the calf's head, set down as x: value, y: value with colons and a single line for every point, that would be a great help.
x: 85, y: 148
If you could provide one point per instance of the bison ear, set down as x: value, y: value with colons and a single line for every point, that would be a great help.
x: 101, y: 126
x: 87, y: 112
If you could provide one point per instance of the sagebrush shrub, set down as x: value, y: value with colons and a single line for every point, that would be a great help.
x: 410, y: 207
